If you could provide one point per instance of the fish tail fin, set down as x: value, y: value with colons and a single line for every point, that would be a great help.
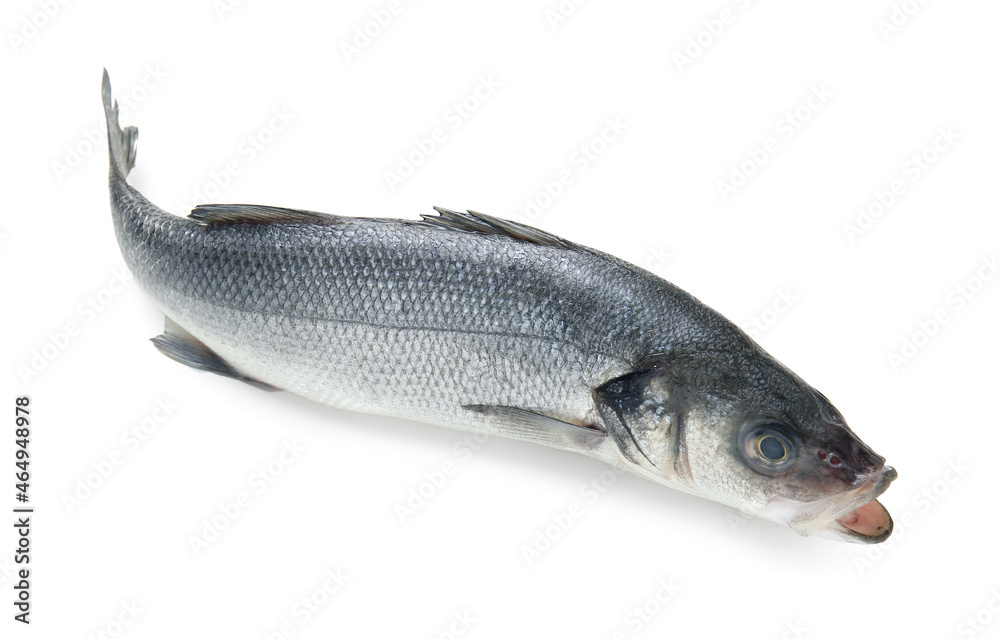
x: 121, y: 142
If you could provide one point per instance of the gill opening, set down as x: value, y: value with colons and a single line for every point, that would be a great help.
x: 681, y: 462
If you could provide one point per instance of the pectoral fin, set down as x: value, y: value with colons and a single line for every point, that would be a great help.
x: 181, y: 346
x: 541, y: 429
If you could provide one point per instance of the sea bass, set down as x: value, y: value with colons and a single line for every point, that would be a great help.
x: 482, y: 324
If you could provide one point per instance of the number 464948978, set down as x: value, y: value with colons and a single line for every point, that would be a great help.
x: 22, y: 432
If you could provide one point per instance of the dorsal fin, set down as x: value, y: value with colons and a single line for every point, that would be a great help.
x: 473, y: 222
x: 255, y: 214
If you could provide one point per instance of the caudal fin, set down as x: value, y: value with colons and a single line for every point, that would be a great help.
x: 121, y: 142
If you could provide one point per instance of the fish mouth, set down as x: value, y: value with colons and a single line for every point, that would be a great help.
x: 856, y: 517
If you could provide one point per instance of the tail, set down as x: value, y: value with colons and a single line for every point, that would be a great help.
x: 121, y: 142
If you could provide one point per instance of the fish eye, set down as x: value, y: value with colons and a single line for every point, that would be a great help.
x: 768, y: 447
x: 771, y: 448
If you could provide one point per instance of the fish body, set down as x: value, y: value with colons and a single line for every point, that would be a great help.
x: 476, y: 323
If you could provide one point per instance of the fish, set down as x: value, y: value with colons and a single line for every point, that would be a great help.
x: 487, y: 325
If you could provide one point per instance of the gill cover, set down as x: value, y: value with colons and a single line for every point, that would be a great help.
x: 642, y: 412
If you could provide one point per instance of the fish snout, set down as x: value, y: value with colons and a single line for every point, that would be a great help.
x: 868, y: 462
x: 853, y: 461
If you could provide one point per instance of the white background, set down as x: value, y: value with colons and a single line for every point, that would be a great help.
x: 203, y: 82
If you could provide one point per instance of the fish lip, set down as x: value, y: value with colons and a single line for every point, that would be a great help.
x: 863, y: 496
x: 825, y: 524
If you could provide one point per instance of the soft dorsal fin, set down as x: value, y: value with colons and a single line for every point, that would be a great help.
x: 255, y: 214
x: 473, y: 222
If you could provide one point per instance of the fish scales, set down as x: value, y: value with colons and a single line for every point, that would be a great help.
x: 483, y: 324
x: 396, y: 315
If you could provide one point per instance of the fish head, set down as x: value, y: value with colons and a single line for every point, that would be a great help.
x: 741, y: 429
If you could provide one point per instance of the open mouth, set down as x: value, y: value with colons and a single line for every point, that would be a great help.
x: 870, y: 522
x: 862, y: 519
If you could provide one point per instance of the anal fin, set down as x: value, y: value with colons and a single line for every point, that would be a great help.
x: 181, y: 346
x: 530, y: 426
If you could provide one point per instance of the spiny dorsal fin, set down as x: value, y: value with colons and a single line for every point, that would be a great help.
x: 181, y: 346
x: 473, y: 222
x: 255, y: 214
